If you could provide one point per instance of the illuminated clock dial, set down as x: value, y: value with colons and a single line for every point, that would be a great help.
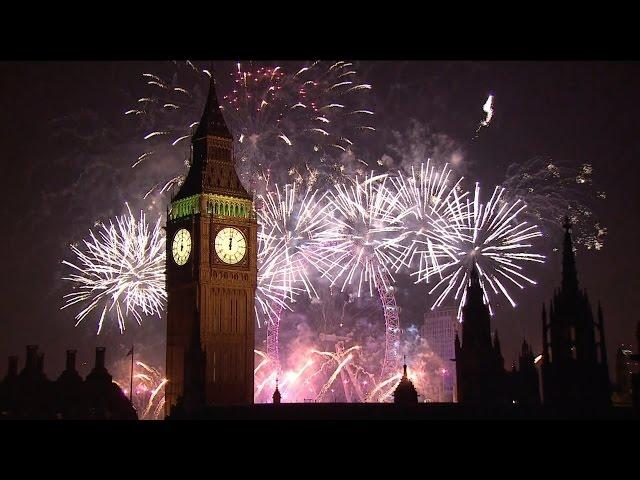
x: 181, y: 246
x: 231, y: 245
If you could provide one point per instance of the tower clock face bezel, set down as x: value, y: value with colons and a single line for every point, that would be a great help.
x: 181, y: 247
x: 237, y: 241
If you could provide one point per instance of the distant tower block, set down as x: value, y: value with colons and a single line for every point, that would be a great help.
x: 440, y: 328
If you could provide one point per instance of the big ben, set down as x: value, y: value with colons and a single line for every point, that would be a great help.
x: 211, y: 272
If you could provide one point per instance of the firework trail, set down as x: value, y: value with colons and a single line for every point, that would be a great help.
x: 365, y: 228
x: 434, y: 199
x: 311, y: 113
x: 487, y: 108
x: 552, y: 191
x: 341, y: 374
x: 284, y: 120
x: 272, y: 290
x: 120, y: 269
x: 148, y: 390
x: 496, y: 241
x: 289, y: 219
x: 319, y: 373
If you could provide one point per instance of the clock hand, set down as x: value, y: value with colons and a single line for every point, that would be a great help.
x: 230, y: 240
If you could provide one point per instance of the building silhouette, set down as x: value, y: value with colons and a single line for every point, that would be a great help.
x: 211, y: 270
x: 440, y: 328
x: 524, y: 382
x: 405, y: 393
x: 31, y: 395
x: 481, y: 377
x: 480, y: 374
x: 574, y: 359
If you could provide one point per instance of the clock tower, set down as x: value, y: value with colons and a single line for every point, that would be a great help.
x: 211, y: 273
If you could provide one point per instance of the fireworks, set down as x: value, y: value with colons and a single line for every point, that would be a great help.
x: 496, y: 241
x: 290, y: 120
x: 120, y: 271
x: 366, y: 229
x: 299, y: 118
x: 487, y: 108
x: 432, y: 197
x: 318, y: 377
x: 365, y: 226
x: 553, y: 190
x: 148, y: 389
x: 289, y: 221
x: 338, y: 368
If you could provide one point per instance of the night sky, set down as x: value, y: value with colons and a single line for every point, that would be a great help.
x: 67, y: 151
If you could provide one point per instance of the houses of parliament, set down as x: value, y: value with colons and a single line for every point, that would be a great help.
x: 211, y: 280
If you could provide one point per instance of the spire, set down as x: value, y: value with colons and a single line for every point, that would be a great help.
x: 569, y: 273
x: 476, y: 325
x: 276, y: 394
x: 498, y: 351
x: 474, y: 275
x: 475, y: 289
x: 475, y: 295
x: 496, y: 343
x: 527, y: 354
x: 404, y: 367
x: 212, y: 122
x: 212, y: 168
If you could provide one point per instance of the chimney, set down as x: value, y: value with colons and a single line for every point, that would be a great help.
x: 41, y: 362
x: 32, y: 357
x: 99, y: 358
x: 71, y: 360
x: 13, y: 366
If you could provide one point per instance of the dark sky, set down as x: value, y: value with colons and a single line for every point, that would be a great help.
x: 67, y: 150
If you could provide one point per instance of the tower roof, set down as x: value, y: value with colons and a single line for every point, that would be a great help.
x: 212, y: 122
x: 212, y: 168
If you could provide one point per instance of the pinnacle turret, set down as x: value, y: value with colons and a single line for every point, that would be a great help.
x: 569, y: 272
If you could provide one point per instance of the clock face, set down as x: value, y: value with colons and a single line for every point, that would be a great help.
x: 231, y: 245
x: 181, y: 246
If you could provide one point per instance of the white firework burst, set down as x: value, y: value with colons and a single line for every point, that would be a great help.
x: 290, y: 220
x: 432, y: 201
x: 492, y: 238
x: 365, y: 229
x: 119, y: 271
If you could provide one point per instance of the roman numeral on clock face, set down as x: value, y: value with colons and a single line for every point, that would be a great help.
x: 230, y: 245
